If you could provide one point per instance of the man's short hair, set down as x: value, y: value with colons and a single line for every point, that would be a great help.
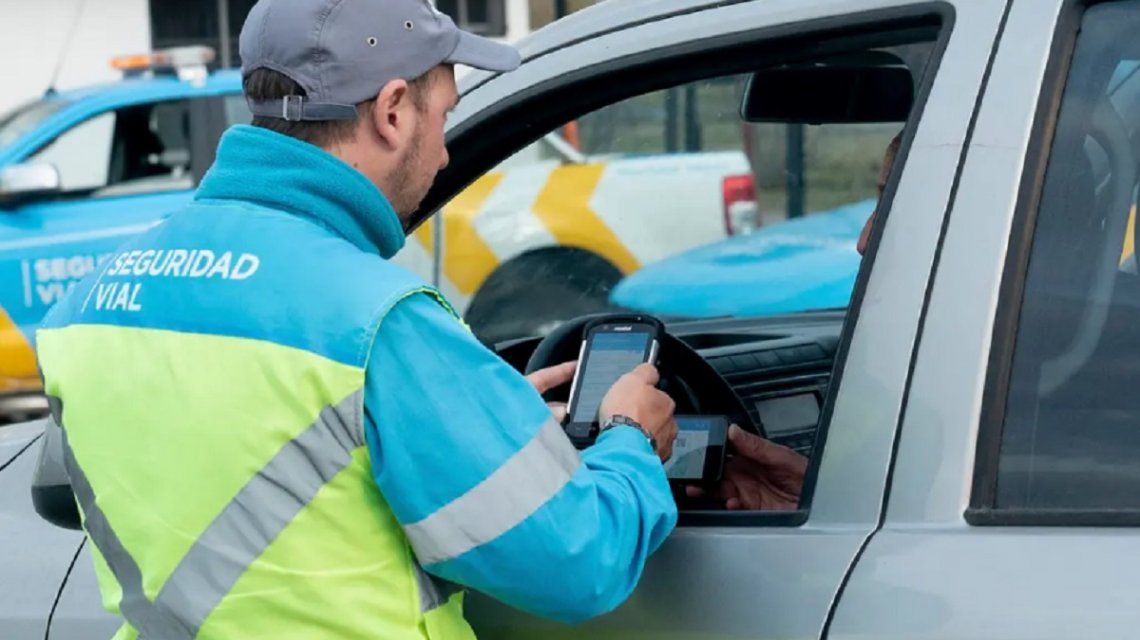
x: 269, y: 85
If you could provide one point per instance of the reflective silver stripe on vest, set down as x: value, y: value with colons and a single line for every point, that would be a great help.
x: 148, y: 620
x: 504, y: 499
x: 243, y: 530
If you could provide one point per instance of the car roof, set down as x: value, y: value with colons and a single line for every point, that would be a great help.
x: 131, y: 89
x: 81, y: 103
x: 593, y: 21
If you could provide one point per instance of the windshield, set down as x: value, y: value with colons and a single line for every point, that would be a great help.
x: 668, y: 203
x: 21, y: 120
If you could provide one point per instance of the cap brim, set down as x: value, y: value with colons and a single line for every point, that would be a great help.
x: 483, y: 53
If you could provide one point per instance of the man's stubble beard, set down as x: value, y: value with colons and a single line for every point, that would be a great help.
x: 406, y: 193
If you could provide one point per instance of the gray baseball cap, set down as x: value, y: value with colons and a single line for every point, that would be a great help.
x: 343, y: 51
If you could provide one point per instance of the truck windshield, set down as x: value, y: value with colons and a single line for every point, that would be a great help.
x: 16, y: 123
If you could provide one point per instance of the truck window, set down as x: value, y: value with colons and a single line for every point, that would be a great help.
x: 237, y: 110
x: 485, y: 17
x: 667, y: 203
x: 1070, y: 440
x: 137, y: 149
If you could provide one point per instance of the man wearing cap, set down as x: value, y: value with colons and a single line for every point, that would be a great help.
x: 274, y: 432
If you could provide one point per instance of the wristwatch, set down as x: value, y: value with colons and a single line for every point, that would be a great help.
x: 626, y: 421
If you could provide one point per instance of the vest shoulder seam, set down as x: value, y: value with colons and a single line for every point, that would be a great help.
x: 372, y: 331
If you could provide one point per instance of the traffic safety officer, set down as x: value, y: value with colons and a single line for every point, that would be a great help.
x: 274, y: 432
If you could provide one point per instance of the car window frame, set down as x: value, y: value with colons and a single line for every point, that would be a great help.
x: 982, y: 509
x: 593, y: 87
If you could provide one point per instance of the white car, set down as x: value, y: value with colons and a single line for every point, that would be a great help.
x: 569, y: 226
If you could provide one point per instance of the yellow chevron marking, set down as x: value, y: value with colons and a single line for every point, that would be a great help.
x: 426, y: 235
x: 18, y: 370
x: 564, y: 207
x: 467, y: 260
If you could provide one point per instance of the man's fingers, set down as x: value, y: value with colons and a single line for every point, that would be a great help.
x: 748, y: 445
x: 757, y: 449
x: 694, y: 492
x: 558, y: 410
x: 547, y: 379
x: 749, y: 493
x: 767, y: 454
x: 648, y: 373
x: 725, y: 489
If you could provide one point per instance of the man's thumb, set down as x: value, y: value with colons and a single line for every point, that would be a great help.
x: 648, y: 373
x: 748, y: 445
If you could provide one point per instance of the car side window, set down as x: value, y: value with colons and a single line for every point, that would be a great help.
x: 668, y: 203
x: 1070, y: 438
x: 138, y: 149
x: 82, y: 155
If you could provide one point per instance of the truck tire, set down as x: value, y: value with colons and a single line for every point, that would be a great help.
x: 536, y: 292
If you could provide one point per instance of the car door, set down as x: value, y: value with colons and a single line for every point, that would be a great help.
x: 36, y: 556
x: 120, y: 170
x: 1014, y: 501
x: 762, y: 575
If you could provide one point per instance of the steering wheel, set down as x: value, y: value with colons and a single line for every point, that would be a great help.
x: 693, y: 383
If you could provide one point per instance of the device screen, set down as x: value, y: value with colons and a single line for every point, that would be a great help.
x: 699, y: 448
x: 609, y: 356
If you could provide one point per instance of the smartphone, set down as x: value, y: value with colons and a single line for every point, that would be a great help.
x: 611, y: 349
x: 699, y: 450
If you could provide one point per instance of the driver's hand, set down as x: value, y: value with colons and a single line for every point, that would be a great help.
x: 544, y: 380
x: 762, y: 475
x: 637, y: 397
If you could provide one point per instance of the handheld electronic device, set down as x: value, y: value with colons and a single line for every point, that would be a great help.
x: 698, y: 451
x: 613, y: 347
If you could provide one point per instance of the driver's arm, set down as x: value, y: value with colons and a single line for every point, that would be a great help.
x: 487, y: 487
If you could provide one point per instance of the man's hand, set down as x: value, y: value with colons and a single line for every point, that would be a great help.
x: 544, y: 380
x: 761, y: 475
x: 636, y: 396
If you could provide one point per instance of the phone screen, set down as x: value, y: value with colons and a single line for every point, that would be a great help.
x: 609, y: 356
x: 700, y: 441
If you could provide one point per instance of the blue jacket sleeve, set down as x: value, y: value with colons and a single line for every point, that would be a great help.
x: 486, y: 485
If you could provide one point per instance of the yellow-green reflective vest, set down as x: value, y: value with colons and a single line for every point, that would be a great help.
x: 214, y: 435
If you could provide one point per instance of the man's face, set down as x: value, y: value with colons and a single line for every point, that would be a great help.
x: 427, y: 154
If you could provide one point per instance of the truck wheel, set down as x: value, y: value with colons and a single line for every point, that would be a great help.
x: 535, y: 293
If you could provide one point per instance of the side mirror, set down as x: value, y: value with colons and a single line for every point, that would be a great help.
x: 821, y: 94
x: 26, y: 181
x: 52, y: 496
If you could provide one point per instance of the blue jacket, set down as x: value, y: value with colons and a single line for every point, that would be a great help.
x: 445, y: 417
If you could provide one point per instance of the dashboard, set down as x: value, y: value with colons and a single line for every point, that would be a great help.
x: 778, y: 368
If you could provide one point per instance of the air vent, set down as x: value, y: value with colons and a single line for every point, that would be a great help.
x: 788, y: 407
x: 763, y: 364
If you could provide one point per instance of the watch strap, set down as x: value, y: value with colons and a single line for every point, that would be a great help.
x: 626, y: 421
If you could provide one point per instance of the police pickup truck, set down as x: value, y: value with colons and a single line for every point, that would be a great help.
x: 82, y: 170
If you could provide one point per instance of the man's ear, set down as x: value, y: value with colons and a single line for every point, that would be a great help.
x: 391, y: 117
